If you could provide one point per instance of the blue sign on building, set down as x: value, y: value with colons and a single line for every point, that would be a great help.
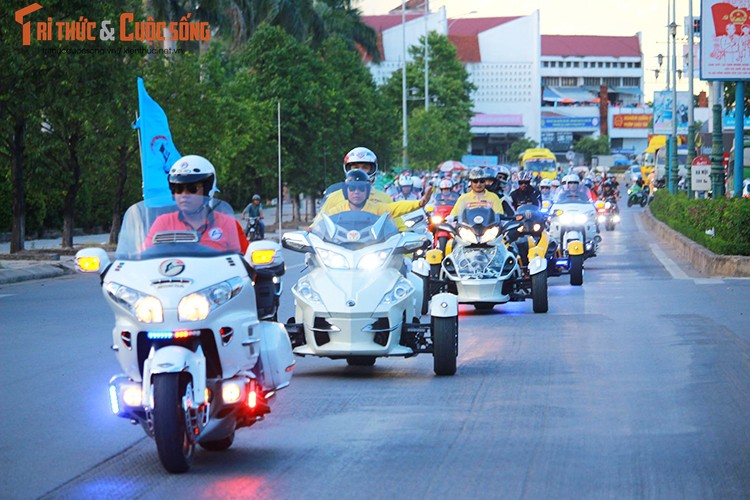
x: 479, y: 161
x: 570, y: 122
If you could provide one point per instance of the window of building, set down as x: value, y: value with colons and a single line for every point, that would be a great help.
x: 545, y: 64
x: 601, y: 64
x: 567, y: 64
x: 608, y: 64
x: 575, y: 64
x: 637, y: 65
x: 550, y: 81
x: 631, y: 82
x: 611, y: 82
x: 569, y: 81
x: 591, y: 81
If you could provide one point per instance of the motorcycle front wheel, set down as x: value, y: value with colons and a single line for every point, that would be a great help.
x: 360, y: 360
x: 576, y: 270
x: 174, y: 445
x: 444, y: 345
x: 539, y: 296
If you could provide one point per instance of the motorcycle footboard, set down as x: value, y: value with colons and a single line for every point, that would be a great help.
x: 417, y: 337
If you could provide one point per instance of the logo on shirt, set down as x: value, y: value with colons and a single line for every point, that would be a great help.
x: 215, y: 233
x: 171, y: 267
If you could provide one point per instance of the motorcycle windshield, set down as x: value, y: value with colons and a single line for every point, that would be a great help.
x: 194, y: 226
x: 478, y: 216
x: 354, y: 228
x: 578, y: 196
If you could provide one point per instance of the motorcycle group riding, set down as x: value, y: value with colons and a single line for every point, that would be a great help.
x: 196, y: 329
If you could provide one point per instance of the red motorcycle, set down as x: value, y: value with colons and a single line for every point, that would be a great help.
x: 437, y: 217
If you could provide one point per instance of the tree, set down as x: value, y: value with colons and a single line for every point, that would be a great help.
x: 343, y: 20
x: 518, y: 147
x: 589, y: 147
x: 450, y: 95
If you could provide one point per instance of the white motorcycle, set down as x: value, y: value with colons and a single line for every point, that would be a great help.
x: 198, y: 361
x: 484, y: 272
x: 572, y: 224
x: 360, y: 301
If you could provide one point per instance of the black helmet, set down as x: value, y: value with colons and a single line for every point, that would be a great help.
x: 357, y: 179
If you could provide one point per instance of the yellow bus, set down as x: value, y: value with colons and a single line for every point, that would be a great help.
x: 540, y: 161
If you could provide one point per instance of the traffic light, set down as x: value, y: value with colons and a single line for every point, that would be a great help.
x: 697, y: 26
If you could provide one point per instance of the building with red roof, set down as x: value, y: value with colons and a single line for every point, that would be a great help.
x: 545, y: 87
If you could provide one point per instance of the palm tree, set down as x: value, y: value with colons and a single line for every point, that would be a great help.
x: 341, y: 18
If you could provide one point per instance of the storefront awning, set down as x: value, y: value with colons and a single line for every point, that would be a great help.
x: 626, y: 90
x: 567, y: 95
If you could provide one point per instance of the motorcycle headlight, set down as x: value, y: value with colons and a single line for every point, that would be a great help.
x: 305, y: 290
x: 373, y: 260
x: 608, y: 205
x: 410, y: 223
x: 332, y: 259
x: 467, y: 235
x: 401, y: 290
x: 580, y: 218
x: 436, y: 219
x: 536, y: 227
x: 490, y: 234
x: 566, y: 219
x: 146, y: 308
x: 197, y: 305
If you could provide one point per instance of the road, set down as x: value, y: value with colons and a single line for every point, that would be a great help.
x: 636, y: 384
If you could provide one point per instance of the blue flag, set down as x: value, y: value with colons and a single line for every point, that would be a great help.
x: 158, y: 152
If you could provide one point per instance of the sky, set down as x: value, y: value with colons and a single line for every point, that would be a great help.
x: 576, y: 17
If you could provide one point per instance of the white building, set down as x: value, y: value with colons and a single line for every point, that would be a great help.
x: 544, y: 87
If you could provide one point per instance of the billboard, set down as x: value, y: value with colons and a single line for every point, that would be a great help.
x: 663, y: 112
x: 725, y: 40
x: 632, y: 120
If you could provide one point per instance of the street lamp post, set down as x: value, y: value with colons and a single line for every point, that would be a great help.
x: 691, y: 106
x: 426, y: 57
x: 404, y: 122
x: 673, y: 163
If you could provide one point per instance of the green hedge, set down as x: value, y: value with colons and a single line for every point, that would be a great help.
x: 729, y: 218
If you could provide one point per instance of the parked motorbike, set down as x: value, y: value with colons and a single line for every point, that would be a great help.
x: 252, y: 229
x: 483, y: 271
x: 573, y: 225
x: 638, y: 196
x: 361, y: 300
x: 607, y: 213
x: 198, y: 360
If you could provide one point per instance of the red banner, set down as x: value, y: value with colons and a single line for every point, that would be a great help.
x: 632, y: 121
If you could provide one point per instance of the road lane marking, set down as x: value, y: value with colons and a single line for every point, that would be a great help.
x: 668, y: 263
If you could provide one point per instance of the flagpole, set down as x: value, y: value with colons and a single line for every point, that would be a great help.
x: 281, y: 200
x: 140, y: 153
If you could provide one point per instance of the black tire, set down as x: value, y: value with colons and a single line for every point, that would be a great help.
x: 644, y: 201
x: 484, y: 306
x: 219, y: 444
x: 444, y: 345
x: 360, y: 360
x: 170, y: 433
x: 539, y: 296
x: 442, y: 243
x: 631, y: 201
x: 610, y: 226
x: 576, y: 270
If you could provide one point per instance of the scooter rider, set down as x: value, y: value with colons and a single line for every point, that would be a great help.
x: 192, y: 181
x: 478, y: 195
x: 545, y: 188
x: 500, y: 186
x: 359, y: 158
x: 254, y: 209
x: 446, y: 196
x: 526, y: 193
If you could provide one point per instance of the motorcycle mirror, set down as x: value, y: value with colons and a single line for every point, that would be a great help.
x: 296, y: 242
x: 447, y: 228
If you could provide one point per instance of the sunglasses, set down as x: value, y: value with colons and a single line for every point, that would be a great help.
x: 544, y: 187
x: 361, y: 189
x: 184, y: 188
x: 477, y: 181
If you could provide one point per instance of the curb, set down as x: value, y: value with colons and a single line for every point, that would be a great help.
x: 35, y: 272
x: 705, y: 261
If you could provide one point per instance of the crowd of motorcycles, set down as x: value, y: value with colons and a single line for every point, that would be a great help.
x: 197, y: 333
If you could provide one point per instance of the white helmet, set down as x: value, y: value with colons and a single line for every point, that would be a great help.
x: 361, y: 155
x: 446, y: 184
x: 192, y: 168
x: 555, y: 183
x: 571, y: 178
x: 545, y: 183
x: 405, y: 180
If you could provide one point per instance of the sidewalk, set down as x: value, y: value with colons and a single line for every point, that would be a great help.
x: 41, y: 260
